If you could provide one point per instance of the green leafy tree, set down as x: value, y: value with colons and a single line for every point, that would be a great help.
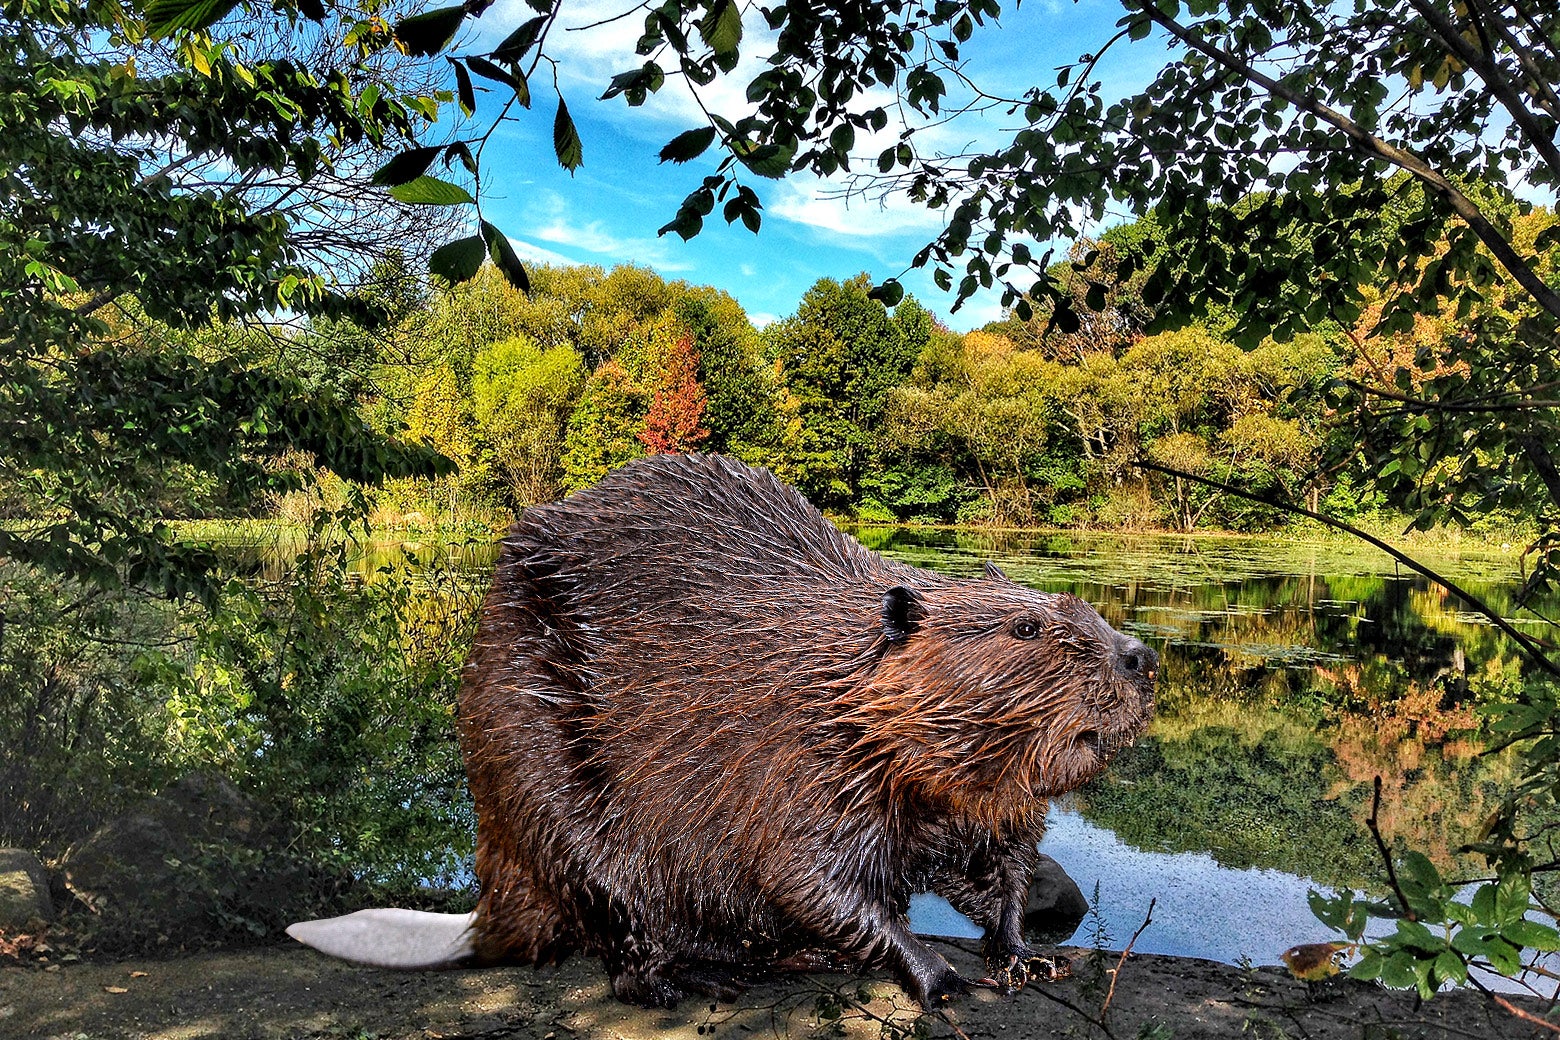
x: 522, y: 397
x: 839, y: 357
x: 604, y: 427
x: 163, y: 183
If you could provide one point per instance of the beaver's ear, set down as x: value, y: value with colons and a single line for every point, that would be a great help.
x: 993, y: 571
x: 903, y: 610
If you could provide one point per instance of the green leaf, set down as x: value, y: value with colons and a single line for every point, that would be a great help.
x: 1511, y: 897
x: 458, y: 261
x: 1368, y: 967
x: 1419, y: 867
x: 1532, y: 934
x: 430, y: 191
x: 1483, y: 903
x: 722, y: 27
x: 463, y: 91
x: 689, y: 144
x: 1397, y: 971
x: 429, y: 33
x: 406, y: 167
x: 890, y: 292
x: 504, y: 256
x: 566, y: 139
x: 518, y: 42
x: 1450, y: 968
x: 165, y: 16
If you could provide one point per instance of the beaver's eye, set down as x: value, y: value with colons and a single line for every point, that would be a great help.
x: 1026, y: 630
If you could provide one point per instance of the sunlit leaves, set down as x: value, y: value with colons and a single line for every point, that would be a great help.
x: 721, y: 28
x: 431, y: 191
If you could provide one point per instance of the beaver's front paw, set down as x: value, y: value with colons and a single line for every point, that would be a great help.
x: 938, y: 987
x: 647, y: 988
x: 1007, y: 966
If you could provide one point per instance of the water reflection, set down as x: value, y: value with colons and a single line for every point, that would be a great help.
x: 1201, y: 908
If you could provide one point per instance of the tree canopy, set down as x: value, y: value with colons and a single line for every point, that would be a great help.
x: 151, y: 189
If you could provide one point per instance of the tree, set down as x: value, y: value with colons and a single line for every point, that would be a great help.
x: 839, y: 357
x: 157, y: 186
x: 604, y: 427
x: 672, y: 425
x: 522, y: 397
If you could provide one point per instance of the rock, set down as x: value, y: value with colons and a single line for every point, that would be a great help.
x: 24, y: 891
x: 1056, y: 905
x: 194, y: 862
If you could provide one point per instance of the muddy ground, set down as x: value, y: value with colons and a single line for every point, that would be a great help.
x: 286, y: 991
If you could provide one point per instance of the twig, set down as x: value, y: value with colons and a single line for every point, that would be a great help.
x: 1512, y: 1009
x: 1386, y: 854
x: 948, y: 1021
x: 1074, y: 1008
x: 1526, y: 1016
x: 1122, y: 960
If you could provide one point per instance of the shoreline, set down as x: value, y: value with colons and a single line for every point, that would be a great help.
x: 282, y: 992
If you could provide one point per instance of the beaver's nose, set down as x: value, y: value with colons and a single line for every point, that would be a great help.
x: 1134, y: 660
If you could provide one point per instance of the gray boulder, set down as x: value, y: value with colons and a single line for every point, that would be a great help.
x: 24, y: 891
x: 1056, y: 905
x: 196, y: 862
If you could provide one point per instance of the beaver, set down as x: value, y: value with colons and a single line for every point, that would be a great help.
x: 709, y: 735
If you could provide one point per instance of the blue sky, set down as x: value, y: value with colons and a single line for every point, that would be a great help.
x: 608, y: 212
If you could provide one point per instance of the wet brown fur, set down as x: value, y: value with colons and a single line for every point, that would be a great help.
x: 708, y: 734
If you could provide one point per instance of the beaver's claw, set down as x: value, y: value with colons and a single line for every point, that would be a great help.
x: 1009, y: 977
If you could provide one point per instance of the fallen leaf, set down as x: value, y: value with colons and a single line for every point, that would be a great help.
x: 1313, y: 962
x: 138, y: 974
x: 115, y: 989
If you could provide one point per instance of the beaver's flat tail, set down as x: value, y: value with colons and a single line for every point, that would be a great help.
x: 392, y: 938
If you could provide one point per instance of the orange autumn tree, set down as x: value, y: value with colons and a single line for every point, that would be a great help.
x: 672, y: 427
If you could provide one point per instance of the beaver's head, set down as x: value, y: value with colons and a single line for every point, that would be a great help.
x: 994, y: 695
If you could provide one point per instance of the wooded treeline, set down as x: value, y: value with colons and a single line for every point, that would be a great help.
x: 876, y: 415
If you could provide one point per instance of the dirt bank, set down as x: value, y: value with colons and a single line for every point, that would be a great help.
x: 285, y: 992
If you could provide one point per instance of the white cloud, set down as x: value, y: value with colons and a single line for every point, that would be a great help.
x: 590, y: 54
x: 811, y: 202
x: 595, y: 237
x: 537, y: 255
x: 762, y: 319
